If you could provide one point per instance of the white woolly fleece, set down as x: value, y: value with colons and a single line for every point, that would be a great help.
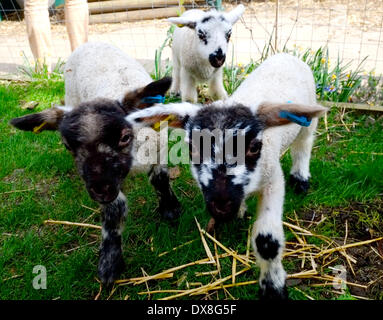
x: 97, y: 69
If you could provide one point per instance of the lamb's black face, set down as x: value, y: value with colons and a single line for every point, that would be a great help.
x: 100, y: 140
x: 224, y: 182
x: 97, y: 135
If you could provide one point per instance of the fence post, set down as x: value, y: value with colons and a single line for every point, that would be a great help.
x: 276, y: 26
x: 218, y: 5
x: 215, y: 3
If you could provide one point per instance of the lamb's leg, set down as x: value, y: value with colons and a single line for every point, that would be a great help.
x: 175, y: 88
x: 169, y: 207
x: 188, y: 87
x: 268, y: 239
x: 111, y: 262
x: 216, y: 88
x: 301, y: 152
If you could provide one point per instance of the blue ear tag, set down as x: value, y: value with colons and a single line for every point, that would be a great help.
x: 153, y: 99
x: 301, y: 120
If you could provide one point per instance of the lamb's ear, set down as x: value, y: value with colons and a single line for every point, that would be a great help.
x: 235, y: 14
x: 276, y: 114
x: 158, y: 87
x: 48, y: 119
x: 176, y: 114
x: 146, y: 96
x: 183, y: 22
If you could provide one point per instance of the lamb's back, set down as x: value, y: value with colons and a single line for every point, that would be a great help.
x: 281, y: 78
x: 101, y: 70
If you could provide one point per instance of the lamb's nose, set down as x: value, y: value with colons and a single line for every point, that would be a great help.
x: 100, y: 190
x: 221, y: 59
x: 220, y: 209
x: 219, y: 53
x: 217, y: 59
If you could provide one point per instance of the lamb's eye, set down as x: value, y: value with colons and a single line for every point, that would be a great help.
x: 255, y: 148
x: 228, y: 35
x: 202, y: 35
x: 125, y: 138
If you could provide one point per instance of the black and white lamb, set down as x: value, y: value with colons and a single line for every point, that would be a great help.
x: 281, y: 89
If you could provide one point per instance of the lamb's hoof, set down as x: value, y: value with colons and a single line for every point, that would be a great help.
x: 171, y: 214
x: 299, y: 185
x: 269, y: 292
x: 110, y: 266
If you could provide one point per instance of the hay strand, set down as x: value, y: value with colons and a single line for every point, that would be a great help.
x: 176, y: 248
x: 204, y: 243
x: 15, y: 191
x: 350, y: 245
x: 167, y: 272
x: 77, y: 224
x: 229, y: 251
x: 233, y: 270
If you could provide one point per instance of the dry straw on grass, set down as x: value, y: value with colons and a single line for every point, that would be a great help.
x: 320, y: 258
x: 68, y: 223
x: 16, y: 191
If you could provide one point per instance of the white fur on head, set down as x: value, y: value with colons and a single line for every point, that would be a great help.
x: 180, y: 110
x: 235, y: 14
x: 212, y: 32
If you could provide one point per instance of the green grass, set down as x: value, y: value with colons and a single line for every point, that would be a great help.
x: 38, y: 181
x: 235, y: 74
x: 158, y: 72
x: 335, y: 80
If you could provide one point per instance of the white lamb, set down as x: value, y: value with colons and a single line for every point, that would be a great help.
x: 199, y: 51
x: 280, y: 89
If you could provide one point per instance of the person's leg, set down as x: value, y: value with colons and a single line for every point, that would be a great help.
x: 39, y: 30
x: 77, y: 20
